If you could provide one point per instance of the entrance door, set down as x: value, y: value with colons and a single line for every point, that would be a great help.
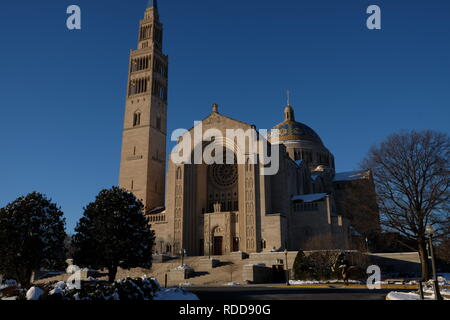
x: 218, y: 246
x: 235, y: 244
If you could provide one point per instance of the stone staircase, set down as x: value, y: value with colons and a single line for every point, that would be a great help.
x: 229, y: 269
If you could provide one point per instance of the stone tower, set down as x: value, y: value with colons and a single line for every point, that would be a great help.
x: 143, y: 160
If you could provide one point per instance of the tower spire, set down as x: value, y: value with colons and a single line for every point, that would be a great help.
x: 152, y: 4
x: 288, y: 110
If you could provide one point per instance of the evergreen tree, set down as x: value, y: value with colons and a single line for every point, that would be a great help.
x: 31, y: 237
x: 112, y: 233
x: 302, y: 267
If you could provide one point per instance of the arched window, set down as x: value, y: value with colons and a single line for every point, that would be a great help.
x: 136, y: 119
x: 158, y: 123
x: 178, y: 176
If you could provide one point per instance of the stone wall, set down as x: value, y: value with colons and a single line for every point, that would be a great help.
x: 257, y: 273
x: 398, y: 264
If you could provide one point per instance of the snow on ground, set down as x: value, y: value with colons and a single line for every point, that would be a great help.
x: 300, y: 282
x: 60, y: 284
x: 8, y: 283
x: 34, y: 293
x: 183, y: 267
x: 143, y: 288
x: 444, y: 278
x: 186, y: 284
x: 57, y: 290
x: 174, y: 294
x: 394, y: 295
x: 441, y: 290
x: 233, y: 284
x: 351, y: 175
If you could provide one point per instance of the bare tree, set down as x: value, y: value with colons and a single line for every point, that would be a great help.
x: 320, y: 242
x: 412, y: 177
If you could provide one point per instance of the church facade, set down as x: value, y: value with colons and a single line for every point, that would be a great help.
x: 220, y: 208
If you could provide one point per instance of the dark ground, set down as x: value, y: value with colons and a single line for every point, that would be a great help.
x: 275, y: 293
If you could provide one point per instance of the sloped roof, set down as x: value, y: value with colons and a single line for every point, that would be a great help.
x: 309, y: 197
x: 351, y: 175
x: 156, y: 210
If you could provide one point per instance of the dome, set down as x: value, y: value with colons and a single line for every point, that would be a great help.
x: 301, y: 142
x: 291, y: 130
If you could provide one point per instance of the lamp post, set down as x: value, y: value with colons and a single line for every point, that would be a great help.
x: 209, y: 248
x: 430, y: 230
x: 182, y: 253
x: 287, y: 267
x: 209, y: 236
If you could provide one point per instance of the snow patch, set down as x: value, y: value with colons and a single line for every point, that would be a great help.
x: 233, y: 284
x: 300, y: 282
x: 60, y: 284
x: 34, y: 293
x: 183, y: 267
x: 57, y: 290
x: 394, y: 295
x: 175, y: 294
x: 186, y: 284
x: 351, y: 175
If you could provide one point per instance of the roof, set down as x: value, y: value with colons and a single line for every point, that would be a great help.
x: 309, y: 197
x: 298, y: 162
x: 294, y: 131
x: 351, y: 175
x: 291, y: 130
x: 213, y: 116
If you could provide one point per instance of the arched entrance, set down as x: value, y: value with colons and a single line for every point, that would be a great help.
x: 218, y: 246
x: 217, y: 241
x: 222, y: 185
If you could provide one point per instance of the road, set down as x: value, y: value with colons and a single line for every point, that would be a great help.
x: 286, y: 293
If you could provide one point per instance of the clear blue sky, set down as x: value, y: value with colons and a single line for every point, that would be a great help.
x: 62, y: 92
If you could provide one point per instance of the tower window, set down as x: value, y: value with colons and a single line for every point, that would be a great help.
x: 158, y: 123
x: 136, y: 119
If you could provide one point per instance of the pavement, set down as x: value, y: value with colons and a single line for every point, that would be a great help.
x: 283, y: 292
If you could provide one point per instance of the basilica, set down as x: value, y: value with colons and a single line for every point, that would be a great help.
x: 220, y: 208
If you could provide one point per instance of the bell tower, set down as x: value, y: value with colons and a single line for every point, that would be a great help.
x: 143, y: 159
